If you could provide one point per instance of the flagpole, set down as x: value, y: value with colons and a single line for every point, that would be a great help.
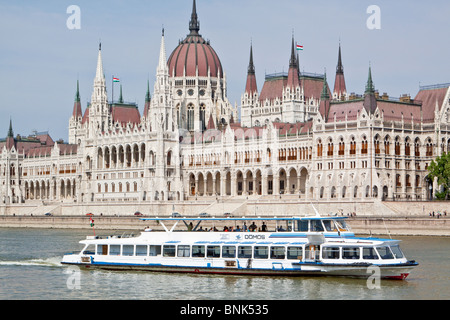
x: 112, y: 98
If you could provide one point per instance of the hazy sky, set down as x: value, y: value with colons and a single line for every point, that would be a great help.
x: 41, y: 59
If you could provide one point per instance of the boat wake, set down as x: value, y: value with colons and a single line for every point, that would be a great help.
x: 49, y: 262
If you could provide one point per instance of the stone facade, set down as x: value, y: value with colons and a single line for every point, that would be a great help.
x: 296, y: 139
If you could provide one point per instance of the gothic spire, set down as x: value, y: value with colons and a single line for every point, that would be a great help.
x: 10, y: 131
x: 340, y: 67
x: 293, y: 60
x: 148, y: 96
x: 251, y: 66
x: 251, y: 86
x: 194, y: 24
x: 77, y: 105
x: 99, y: 75
x: 370, y: 88
x: 77, y: 95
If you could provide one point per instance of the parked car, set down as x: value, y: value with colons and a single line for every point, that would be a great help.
x: 176, y: 215
x: 228, y: 215
x: 48, y: 214
x: 89, y: 214
x: 138, y: 214
x: 204, y: 214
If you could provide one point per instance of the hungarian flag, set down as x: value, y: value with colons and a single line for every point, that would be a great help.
x: 116, y: 80
x: 299, y: 47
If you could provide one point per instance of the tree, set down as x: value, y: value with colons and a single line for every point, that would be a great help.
x: 440, y: 169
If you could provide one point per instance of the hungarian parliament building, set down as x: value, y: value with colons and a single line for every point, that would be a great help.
x: 296, y: 137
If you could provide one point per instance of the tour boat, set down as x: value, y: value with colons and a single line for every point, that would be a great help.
x: 296, y: 246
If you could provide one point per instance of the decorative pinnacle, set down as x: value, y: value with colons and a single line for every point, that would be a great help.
x: 194, y: 24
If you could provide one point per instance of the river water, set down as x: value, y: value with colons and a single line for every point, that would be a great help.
x: 30, y: 269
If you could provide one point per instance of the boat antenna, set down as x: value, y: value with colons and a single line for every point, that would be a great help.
x: 317, y: 212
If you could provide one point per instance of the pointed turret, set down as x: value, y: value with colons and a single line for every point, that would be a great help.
x: 324, y: 106
x: 10, y: 142
x: 147, y: 101
x: 251, y: 86
x: 340, y: 90
x: 194, y: 24
x: 370, y: 87
x: 10, y: 130
x: 370, y: 101
x: 77, y: 104
x: 121, y: 96
x: 293, y: 79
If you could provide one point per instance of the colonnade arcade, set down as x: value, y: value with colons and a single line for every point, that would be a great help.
x: 50, y: 189
x: 248, y: 182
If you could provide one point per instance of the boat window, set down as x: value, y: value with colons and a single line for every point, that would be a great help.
x: 295, y: 253
x: 102, y: 249
x: 114, y: 249
x: 341, y: 225
x: 350, y: 253
x: 277, y: 252
x: 303, y: 225
x: 228, y: 252
x: 369, y: 253
x: 90, y: 249
x: 128, y: 250
x: 244, y: 252
x: 169, y: 251
x: 397, y: 252
x: 155, y: 251
x: 141, y: 250
x: 198, y: 251
x: 316, y: 225
x: 213, y: 251
x: 184, y: 251
x: 329, y: 225
x: 385, y: 253
x: 261, y: 252
x: 330, y: 253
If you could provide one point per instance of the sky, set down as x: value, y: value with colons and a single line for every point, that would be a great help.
x: 41, y: 59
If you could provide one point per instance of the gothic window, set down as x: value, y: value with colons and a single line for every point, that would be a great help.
x: 397, y: 146
x: 202, y: 116
x: 377, y: 145
x: 407, y: 147
x: 341, y: 147
x: 353, y: 146
x: 319, y: 148
x: 417, y: 147
x: 364, y: 145
x: 190, y: 118
x: 330, y: 148
x: 386, y: 145
x: 429, y: 152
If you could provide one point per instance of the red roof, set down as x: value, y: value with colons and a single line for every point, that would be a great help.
x: 124, y: 113
x: 429, y: 99
x: 192, y: 53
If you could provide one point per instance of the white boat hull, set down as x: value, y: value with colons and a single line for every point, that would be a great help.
x: 241, y: 267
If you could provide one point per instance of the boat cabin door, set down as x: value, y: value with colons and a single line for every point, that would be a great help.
x: 312, y: 252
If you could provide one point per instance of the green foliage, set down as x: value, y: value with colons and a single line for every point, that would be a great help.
x: 440, y: 169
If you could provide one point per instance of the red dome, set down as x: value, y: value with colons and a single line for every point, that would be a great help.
x: 192, y: 53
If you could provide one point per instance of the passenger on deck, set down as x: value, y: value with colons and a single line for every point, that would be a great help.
x: 253, y: 227
x: 237, y: 229
x: 264, y: 227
